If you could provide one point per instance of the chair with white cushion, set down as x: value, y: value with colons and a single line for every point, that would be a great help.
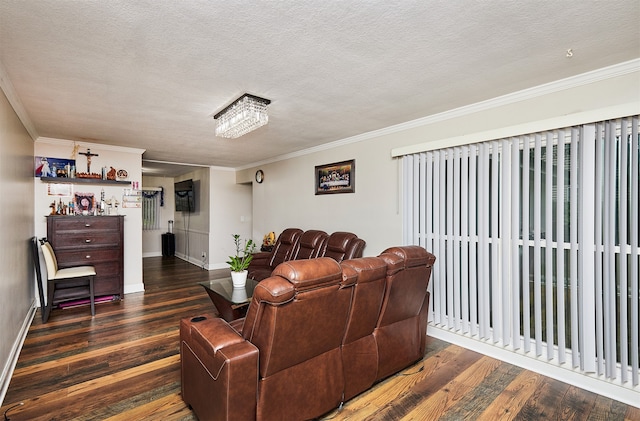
x: 67, y: 283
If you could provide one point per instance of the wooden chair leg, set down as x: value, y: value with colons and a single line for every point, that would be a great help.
x: 92, y: 297
x: 47, y: 310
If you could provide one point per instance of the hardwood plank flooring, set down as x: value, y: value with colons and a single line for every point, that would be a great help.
x: 124, y: 364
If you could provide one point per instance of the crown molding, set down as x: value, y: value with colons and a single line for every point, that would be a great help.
x: 213, y: 167
x: 16, y: 104
x: 594, y: 76
x: 59, y: 142
x: 155, y: 161
x: 569, y: 120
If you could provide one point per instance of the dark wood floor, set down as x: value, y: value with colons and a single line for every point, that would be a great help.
x: 124, y: 364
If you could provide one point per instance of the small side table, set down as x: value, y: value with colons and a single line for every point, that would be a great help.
x: 232, y: 303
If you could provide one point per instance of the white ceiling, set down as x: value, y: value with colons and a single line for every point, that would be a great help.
x: 150, y: 74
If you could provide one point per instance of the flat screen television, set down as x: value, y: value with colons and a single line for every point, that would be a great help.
x: 185, y: 196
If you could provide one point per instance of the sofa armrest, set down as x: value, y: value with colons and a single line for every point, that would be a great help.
x: 219, y: 369
x: 259, y: 267
x: 261, y: 259
x: 260, y: 262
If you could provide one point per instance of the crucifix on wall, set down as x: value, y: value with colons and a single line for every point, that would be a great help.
x: 88, y: 154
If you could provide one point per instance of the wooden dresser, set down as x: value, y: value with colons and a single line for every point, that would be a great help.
x: 91, y: 240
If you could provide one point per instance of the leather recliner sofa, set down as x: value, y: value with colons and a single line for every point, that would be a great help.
x: 294, y: 244
x: 264, y: 262
x: 317, y: 333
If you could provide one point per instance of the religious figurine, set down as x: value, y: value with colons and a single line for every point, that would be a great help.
x: 111, y: 175
x: 88, y: 154
x: 44, y: 169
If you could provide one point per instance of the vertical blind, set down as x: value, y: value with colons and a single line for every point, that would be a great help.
x: 151, y: 204
x: 537, y: 242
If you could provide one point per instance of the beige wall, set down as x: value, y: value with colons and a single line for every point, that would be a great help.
x: 286, y: 197
x: 223, y: 208
x: 152, y: 240
x: 192, y: 228
x: 17, y: 277
x: 231, y: 213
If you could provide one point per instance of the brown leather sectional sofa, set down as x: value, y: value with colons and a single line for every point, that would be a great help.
x: 295, y: 244
x: 316, y: 334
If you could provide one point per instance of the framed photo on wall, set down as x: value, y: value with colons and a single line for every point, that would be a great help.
x: 338, y: 177
x: 53, y: 167
x: 84, y: 203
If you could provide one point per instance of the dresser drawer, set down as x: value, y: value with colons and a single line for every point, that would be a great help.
x: 109, y: 285
x: 87, y: 256
x: 107, y: 269
x: 80, y: 223
x: 84, y: 239
x: 91, y: 240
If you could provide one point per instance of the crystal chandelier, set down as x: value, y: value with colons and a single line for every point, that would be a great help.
x: 243, y: 115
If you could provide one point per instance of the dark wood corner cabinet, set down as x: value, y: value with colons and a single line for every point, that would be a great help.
x: 91, y: 240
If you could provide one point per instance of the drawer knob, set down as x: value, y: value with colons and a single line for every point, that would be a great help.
x: 88, y: 256
x: 87, y: 225
x: 88, y: 240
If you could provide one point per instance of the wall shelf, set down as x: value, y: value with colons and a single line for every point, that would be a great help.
x: 82, y: 180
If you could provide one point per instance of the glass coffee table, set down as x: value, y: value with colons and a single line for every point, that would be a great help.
x: 231, y: 303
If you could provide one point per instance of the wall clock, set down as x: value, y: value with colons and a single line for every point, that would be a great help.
x: 259, y: 176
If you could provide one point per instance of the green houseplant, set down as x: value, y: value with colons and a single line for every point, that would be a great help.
x: 240, y: 262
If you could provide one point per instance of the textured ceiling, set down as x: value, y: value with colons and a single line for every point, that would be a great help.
x: 150, y: 74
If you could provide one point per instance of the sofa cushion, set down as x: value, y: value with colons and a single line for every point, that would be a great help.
x: 359, y: 350
x: 408, y: 272
x: 401, y: 330
x: 285, y: 246
x: 343, y: 245
x: 263, y: 262
x: 294, y: 314
x: 306, y: 274
x: 310, y: 245
x: 367, y: 295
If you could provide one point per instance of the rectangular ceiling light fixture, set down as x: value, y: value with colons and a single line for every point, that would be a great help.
x: 243, y: 115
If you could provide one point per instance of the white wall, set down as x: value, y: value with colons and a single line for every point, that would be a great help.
x: 121, y: 158
x: 152, y: 240
x: 223, y: 208
x: 286, y: 197
x: 230, y: 214
x: 192, y: 228
x: 17, y: 277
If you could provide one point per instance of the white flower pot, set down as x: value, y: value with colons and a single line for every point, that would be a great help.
x: 239, y: 295
x: 239, y: 279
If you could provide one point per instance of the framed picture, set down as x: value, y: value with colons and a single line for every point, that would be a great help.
x: 338, y: 177
x: 132, y: 199
x: 84, y: 203
x: 56, y: 189
x: 53, y: 167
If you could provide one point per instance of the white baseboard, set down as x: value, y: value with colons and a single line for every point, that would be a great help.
x: 7, y: 370
x: 196, y: 262
x: 152, y: 254
x: 131, y: 288
x: 562, y: 372
x: 215, y: 266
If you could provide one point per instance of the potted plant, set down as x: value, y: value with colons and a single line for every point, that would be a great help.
x: 240, y: 262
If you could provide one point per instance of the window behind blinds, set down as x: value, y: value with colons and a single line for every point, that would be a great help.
x: 151, y: 206
x: 537, y: 243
